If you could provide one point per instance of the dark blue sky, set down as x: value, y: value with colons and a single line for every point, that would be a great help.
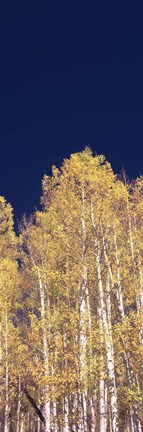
x: 70, y: 75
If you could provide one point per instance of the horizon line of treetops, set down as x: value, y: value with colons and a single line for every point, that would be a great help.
x: 71, y: 304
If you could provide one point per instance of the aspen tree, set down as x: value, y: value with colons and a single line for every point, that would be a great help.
x: 9, y: 294
x: 80, y: 341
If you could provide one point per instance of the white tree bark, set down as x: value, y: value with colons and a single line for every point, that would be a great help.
x: 133, y: 257
x: 7, y: 407
x: 140, y: 288
x: 108, y: 335
x: 0, y: 371
x: 80, y: 413
x: 84, y: 408
x: 54, y: 417
x: 45, y: 351
x: 134, y: 418
x: 38, y: 424
x: 22, y: 423
x: 83, y: 306
x: 93, y: 414
x: 102, y: 405
x: 83, y: 296
x: 66, y: 414
x: 74, y: 412
x: 135, y: 422
x: 18, y: 407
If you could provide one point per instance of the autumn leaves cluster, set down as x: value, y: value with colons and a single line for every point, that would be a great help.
x: 71, y: 303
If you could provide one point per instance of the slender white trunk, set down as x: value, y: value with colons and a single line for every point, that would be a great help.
x: 106, y: 406
x: 135, y: 425
x: 110, y: 419
x: 93, y: 414
x: 45, y: 351
x: 38, y: 424
x: 66, y: 414
x: 80, y: 413
x: 119, y: 290
x: 83, y: 297
x: 102, y: 402
x: 141, y: 280
x: 18, y: 407
x: 133, y: 258
x: 7, y: 408
x: 138, y: 427
x: 75, y: 412
x: 83, y: 305
x: 135, y: 422
x: 102, y: 406
x: 108, y: 335
x: 22, y: 423
x: 84, y: 408
x: 0, y: 371
x: 27, y: 421
x: 140, y: 293
x: 119, y: 294
x: 66, y: 399
x: 132, y: 420
x: 54, y: 403
x: 54, y: 416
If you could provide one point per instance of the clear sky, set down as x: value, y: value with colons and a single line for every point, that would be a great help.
x: 71, y: 74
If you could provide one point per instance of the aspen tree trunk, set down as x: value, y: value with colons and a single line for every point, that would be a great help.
x: 119, y: 294
x: 141, y: 281
x: 108, y: 336
x: 27, y: 421
x: 102, y: 401
x: 110, y: 421
x: 66, y: 414
x: 140, y: 297
x: 134, y: 420
x: 83, y: 341
x: 65, y: 399
x: 22, y: 423
x: 121, y: 308
x: 119, y: 290
x: 0, y: 371
x: 92, y: 399
x: 102, y: 385
x: 138, y: 427
x: 75, y: 412
x: 139, y: 269
x: 141, y: 285
x: 110, y: 365
x: 54, y: 403
x: 45, y: 351
x: 18, y: 407
x: 54, y: 417
x: 93, y: 415
x: 38, y: 424
x: 102, y: 405
x: 130, y: 375
x: 80, y: 413
x: 7, y: 408
x: 133, y: 257
x: 84, y: 408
